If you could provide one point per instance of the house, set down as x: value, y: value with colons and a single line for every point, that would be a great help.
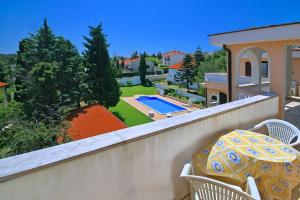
x: 132, y: 65
x: 92, y: 120
x: 261, y: 59
x: 172, y: 71
x: 172, y: 58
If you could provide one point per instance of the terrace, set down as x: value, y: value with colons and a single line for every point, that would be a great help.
x: 141, y: 162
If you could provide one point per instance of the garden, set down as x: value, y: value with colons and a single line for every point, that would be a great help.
x: 128, y: 114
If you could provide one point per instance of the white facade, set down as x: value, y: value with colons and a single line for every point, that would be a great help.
x: 170, y: 59
x: 133, y: 66
x: 171, y: 75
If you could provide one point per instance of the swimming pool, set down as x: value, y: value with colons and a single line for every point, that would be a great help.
x: 159, y: 105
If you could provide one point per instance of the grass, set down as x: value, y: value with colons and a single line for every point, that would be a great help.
x: 138, y: 89
x: 129, y: 115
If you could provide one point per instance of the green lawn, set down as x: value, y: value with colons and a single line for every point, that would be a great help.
x: 129, y: 115
x: 138, y: 89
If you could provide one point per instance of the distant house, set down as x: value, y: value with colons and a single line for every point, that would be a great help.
x: 172, y: 58
x: 172, y: 71
x: 92, y: 120
x: 132, y: 66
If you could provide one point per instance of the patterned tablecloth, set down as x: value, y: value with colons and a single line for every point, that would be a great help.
x: 240, y: 153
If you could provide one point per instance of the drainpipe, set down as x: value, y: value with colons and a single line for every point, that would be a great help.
x: 206, y: 98
x: 229, y: 72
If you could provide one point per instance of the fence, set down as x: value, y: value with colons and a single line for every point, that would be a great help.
x: 180, y: 92
x: 135, y: 80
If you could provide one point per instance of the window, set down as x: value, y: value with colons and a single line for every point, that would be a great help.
x: 248, y: 69
x: 264, y: 69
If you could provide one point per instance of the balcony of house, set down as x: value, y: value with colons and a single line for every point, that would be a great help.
x: 142, y: 162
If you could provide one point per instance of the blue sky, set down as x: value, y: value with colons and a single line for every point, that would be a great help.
x: 142, y: 25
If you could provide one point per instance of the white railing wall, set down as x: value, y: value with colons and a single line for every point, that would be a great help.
x: 141, y: 162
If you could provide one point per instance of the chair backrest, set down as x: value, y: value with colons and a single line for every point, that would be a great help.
x: 282, y: 130
x: 204, y: 188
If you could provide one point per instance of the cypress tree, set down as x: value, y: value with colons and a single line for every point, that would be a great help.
x: 199, y: 57
x: 102, y: 85
x: 143, y: 68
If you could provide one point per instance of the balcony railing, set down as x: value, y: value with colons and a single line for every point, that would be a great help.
x: 141, y: 162
x: 222, y: 78
x: 249, y: 90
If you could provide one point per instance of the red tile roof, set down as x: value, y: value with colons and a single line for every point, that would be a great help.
x: 173, y: 53
x: 176, y: 66
x: 2, y: 84
x: 130, y: 60
x: 92, y: 120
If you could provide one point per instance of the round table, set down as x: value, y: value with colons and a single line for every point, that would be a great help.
x: 242, y: 153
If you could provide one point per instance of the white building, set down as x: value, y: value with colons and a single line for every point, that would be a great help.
x: 172, y: 58
x: 172, y: 71
x: 132, y: 66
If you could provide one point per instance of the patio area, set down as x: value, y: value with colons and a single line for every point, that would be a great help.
x: 292, y: 111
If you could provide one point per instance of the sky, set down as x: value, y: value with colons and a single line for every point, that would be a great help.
x: 142, y: 25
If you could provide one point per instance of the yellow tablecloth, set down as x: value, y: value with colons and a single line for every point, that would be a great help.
x: 240, y: 153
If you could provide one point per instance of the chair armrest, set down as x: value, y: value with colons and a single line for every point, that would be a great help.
x: 187, y: 169
x: 257, y: 126
x: 252, y: 189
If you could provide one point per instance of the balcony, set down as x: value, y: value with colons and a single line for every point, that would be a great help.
x: 222, y: 78
x: 142, y: 162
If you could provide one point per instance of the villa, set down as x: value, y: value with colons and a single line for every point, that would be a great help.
x: 172, y: 58
x: 145, y: 161
x: 132, y: 66
x: 260, y: 59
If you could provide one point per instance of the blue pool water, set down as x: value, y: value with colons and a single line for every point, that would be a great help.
x: 159, y: 105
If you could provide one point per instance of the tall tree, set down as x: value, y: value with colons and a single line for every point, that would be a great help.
x: 116, y: 66
x: 40, y: 54
x: 134, y: 55
x: 212, y: 63
x: 143, y: 68
x: 102, y: 85
x: 122, y: 63
x: 186, y: 73
x: 159, y: 56
x: 199, y: 56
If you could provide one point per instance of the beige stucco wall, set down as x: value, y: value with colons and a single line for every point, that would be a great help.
x: 147, y: 167
x: 277, y: 52
x: 296, y: 69
x: 243, y: 64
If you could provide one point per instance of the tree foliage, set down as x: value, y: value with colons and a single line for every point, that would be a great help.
x: 102, y: 85
x: 20, y: 135
x: 212, y: 63
x: 116, y: 64
x: 7, y: 67
x: 198, y: 56
x: 143, y: 68
x: 186, y: 73
x: 49, y: 74
x: 134, y: 55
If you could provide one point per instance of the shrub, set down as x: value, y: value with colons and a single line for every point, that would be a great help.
x: 129, y: 83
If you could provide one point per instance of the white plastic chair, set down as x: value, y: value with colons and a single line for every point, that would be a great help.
x: 281, y: 130
x: 203, y: 188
